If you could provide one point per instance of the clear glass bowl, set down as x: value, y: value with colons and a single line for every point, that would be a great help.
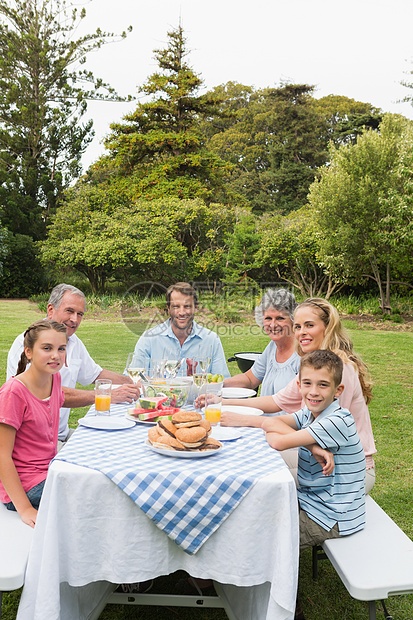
x: 175, y: 389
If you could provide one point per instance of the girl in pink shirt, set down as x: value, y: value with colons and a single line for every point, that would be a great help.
x: 317, y: 325
x: 29, y: 418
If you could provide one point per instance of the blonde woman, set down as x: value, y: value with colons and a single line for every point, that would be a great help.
x: 317, y: 325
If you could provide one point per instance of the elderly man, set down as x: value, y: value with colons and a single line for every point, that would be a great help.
x: 181, y: 335
x: 67, y: 305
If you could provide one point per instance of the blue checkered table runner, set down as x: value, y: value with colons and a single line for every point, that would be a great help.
x: 187, y: 499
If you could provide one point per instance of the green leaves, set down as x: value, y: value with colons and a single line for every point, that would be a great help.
x: 104, y: 233
x: 160, y: 145
x: 42, y: 97
x: 363, y: 203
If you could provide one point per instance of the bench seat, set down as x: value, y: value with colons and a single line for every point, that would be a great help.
x: 15, y: 541
x: 376, y: 562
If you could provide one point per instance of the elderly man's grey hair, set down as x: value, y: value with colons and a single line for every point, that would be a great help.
x: 277, y: 298
x: 57, y: 293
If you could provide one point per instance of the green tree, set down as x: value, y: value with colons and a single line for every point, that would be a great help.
x: 43, y: 95
x: 104, y: 234
x: 3, y: 247
x: 290, y: 247
x: 277, y: 139
x: 243, y: 243
x: 297, y: 148
x: 160, y: 147
x: 363, y: 208
x: 22, y: 274
x: 346, y: 118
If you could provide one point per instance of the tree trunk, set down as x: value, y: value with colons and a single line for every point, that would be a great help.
x: 387, y: 308
x: 377, y: 278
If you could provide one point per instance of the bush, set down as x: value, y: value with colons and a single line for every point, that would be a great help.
x: 22, y: 275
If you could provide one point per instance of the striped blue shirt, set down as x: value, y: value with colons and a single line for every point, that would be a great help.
x: 338, y: 498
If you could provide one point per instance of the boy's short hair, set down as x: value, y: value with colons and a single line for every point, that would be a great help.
x: 181, y: 287
x: 323, y: 358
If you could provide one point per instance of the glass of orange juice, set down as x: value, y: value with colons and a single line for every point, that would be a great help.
x: 213, y: 402
x: 103, y: 389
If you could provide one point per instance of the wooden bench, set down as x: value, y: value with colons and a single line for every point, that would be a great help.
x: 15, y: 541
x: 372, y: 564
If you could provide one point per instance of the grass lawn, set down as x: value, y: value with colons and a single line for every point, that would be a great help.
x: 389, y: 356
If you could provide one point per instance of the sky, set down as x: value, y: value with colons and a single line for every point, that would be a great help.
x: 361, y: 49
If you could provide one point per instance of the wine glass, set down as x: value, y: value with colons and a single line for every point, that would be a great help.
x: 171, y: 362
x: 133, y: 368
x: 204, y: 364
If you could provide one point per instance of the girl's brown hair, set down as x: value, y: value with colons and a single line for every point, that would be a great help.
x: 32, y: 334
x: 337, y: 340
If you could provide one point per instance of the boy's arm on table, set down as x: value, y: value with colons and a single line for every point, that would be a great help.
x: 282, y: 433
x: 265, y: 403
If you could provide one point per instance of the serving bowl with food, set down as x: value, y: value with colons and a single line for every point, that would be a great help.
x: 186, y: 433
x: 174, y: 390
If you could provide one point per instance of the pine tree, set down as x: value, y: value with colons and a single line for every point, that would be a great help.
x: 159, y: 147
x: 42, y: 99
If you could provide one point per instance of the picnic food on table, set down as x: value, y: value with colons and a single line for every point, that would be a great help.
x: 186, y: 430
x: 152, y: 409
x: 175, y: 391
x: 214, y: 378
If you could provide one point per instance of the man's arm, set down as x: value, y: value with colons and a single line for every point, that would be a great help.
x: 13, y: 356
x: 126, y: 393
x: 115, y: 377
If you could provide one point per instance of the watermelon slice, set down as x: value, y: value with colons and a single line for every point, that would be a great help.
x: 136, y: 411
x: 152, y: 415
x: 152, y: 402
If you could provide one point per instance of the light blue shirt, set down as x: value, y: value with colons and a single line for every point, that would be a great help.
x: 274, y: 375
x: 160, y: 343
x: 339, y: 497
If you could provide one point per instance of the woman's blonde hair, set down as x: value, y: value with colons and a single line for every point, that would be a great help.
x: 31, y: 335
x: 337, y: 340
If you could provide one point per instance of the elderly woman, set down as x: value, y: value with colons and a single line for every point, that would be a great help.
x: 279, y: 363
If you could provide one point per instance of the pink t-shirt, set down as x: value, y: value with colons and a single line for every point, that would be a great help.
x: 289, y: 400
x: 37, y: 423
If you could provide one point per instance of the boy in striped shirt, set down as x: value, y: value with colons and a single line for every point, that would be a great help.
x: 331, y: 462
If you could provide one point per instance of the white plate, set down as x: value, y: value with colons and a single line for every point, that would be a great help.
x: 243, y: 410
x: 106, y: 423
x: 181, y: 454
x: 237, y: 392
x: 225, y: 433
x: 131, y: 417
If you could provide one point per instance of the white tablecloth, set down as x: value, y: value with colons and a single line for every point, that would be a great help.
x: 89, y: 532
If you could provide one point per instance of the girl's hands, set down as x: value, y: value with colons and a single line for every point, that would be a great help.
x: 29, y: 515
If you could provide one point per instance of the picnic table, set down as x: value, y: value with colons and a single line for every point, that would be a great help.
x: 114, y: 511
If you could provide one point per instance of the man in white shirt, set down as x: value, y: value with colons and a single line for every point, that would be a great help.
x: 67, y: 305
x: 181, y: 335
